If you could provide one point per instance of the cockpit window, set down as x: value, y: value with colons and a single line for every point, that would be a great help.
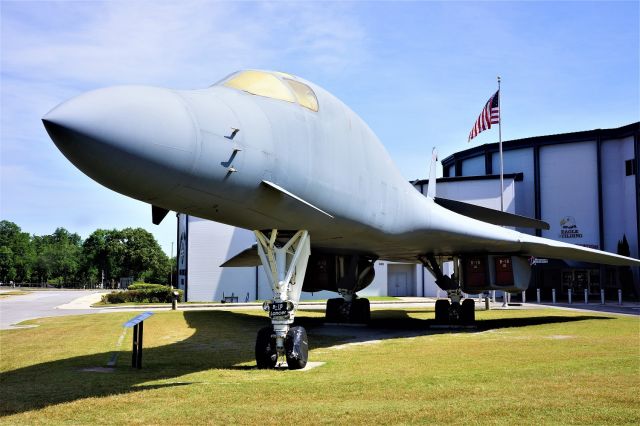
x: 304, y: 94
x: 261, y: 84
x: 269, y: 85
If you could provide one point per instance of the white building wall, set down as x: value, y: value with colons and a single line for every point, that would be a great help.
x: 473, y: 166
x: 520, y: 161
x: 209, y: 245
x: 484, y: 192
x: 619, y: 197
x: 568, y: 188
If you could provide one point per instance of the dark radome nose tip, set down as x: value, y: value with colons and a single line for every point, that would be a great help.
x: 124, y: 137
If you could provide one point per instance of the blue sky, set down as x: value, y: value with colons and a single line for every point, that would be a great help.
x: 417, y: 72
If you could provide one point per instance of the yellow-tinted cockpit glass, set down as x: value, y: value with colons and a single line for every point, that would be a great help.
x: 262, y: 84
x: 268, y: 85
x: 304, y: 94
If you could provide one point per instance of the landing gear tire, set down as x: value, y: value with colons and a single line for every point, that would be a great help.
x: 360, y: 311
x: 266, y: 354
x: 296, y: 346
x: 332, y: 313
x: 455, y: 311
x: 468, y: 312
x: 442, y: 311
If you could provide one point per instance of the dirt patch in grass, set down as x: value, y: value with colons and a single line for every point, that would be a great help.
x: 6, y: 294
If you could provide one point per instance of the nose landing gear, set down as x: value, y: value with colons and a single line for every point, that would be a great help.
x: 285, y: 263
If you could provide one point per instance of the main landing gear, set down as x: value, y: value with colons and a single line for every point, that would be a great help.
x: 454, y: 312
x: 285, y: 260
x: 348, y: 309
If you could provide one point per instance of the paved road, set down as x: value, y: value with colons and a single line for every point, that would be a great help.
x: 38, y: 304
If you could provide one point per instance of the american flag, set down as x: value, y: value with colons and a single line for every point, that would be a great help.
x: 490, y: 115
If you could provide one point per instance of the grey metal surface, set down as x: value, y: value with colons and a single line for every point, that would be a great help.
x: 495, y: 217
x: 180, y: 150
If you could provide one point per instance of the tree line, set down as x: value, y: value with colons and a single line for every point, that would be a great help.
x: 63, y: 258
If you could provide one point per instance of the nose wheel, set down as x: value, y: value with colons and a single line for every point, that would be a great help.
x: 266, y: 354
x: 296, y: 348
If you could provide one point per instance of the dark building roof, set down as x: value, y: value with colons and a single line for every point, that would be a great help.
x: 515, y: 176
x: 587, y: 135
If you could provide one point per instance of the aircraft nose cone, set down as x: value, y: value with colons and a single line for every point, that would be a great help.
x: 132, y: 139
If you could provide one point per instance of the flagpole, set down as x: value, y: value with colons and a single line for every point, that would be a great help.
x: 500, y: 144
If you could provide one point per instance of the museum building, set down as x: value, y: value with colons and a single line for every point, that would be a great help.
x: 585, y: 184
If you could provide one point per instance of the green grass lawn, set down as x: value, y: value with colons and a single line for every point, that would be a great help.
x: 519, y: 367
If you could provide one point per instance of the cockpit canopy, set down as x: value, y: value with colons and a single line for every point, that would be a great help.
x: 274, y: 85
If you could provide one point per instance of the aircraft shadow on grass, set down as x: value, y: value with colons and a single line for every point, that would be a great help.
x: 222, y: 340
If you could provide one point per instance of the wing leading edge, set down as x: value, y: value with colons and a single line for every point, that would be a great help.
x: 544, y: 247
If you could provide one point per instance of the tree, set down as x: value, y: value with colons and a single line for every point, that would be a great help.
x: 144, y: 258
x: 131, y: 252
x: 95, y: 255
x: 57, y: 256
x: 16, y: 253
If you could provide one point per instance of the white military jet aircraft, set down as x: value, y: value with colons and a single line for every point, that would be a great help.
x: 273, y: 153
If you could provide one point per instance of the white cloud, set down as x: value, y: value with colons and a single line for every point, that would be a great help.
x: 51, y: 51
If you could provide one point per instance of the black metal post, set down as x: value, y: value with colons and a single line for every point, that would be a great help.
x: 139, y: 364
x: 134, y: 355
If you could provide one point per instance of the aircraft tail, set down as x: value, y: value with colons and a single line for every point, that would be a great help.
x: 431, y: 187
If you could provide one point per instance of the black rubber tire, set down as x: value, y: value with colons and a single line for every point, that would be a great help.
x: 442, y: 311
x: 468, y: 312
x: 266, y: 354
x: 296, y: 348
x: 455, y: 313
x: 360, y: 311
x: 332, y: 313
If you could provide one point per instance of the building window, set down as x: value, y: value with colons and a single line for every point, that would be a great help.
x: 630, y: 167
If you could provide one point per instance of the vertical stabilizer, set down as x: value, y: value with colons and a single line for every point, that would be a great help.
x: 431, y: 188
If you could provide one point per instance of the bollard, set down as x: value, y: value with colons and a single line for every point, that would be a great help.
x: 486, y: 303
x: 619, y: 296
x: 538, y: 295
x: 570, y: 291
x: 553, y: 295
x: 586, y: 296
x: 493, y: 296
x: 602, y: 296
x: 174, y: 300
x: 524, y: 297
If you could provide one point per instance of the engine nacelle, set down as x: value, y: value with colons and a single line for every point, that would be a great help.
x: 326, y: 271
x: 494, y: 272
